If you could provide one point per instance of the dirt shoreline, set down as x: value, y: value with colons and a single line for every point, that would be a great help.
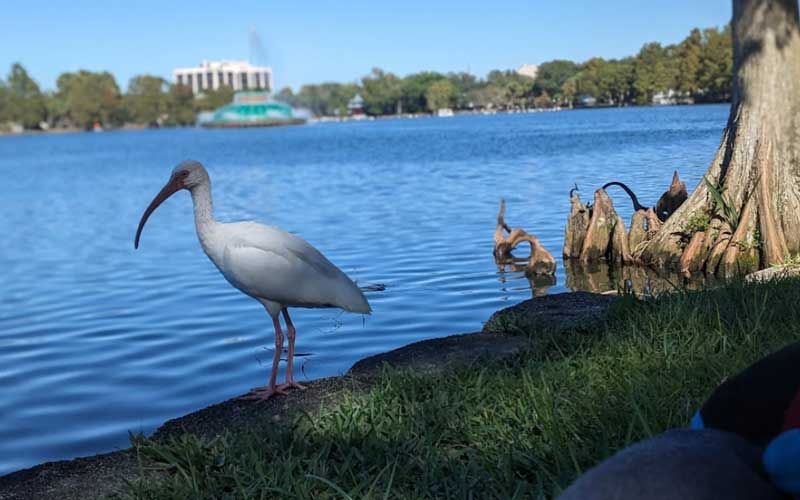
x: 105, y: 474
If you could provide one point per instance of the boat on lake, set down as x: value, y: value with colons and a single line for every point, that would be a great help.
x: 251, y: 109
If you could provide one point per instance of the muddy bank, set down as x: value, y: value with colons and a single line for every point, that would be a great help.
x: 103, y: 475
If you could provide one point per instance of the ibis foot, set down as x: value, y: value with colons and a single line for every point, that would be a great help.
x: 291, y: 383
x: 264, y: 393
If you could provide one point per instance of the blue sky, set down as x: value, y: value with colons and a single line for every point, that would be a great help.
x: 314, y: 41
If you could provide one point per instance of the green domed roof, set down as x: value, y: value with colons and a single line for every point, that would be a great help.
x: 250, y: 109
x: 252, y: 112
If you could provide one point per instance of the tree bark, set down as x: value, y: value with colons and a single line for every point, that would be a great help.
x: 620, y: 251
x: 597, y: 241
x: 757, y: 166
x: 638, y: 231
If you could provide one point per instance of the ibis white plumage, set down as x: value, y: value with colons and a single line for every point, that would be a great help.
x: 278, y: 269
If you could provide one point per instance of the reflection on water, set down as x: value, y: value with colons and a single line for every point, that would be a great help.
x: 97, y: 339
x: 515, y: 269
x: 598, y: 277
x: 601, y: 277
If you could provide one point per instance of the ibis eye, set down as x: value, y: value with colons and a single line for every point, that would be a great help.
x: 185, y: 173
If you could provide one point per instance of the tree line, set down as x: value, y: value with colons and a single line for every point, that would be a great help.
x: 699, y: 68
x: 83, y: 99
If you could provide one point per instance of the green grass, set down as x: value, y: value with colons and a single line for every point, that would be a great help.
x: 697, y: 223
x: 519, y: 429
x: 728, y: 211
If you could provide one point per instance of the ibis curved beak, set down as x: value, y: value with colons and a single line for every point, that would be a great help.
x: 174, y: 185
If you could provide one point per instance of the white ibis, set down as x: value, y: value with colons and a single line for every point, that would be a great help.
x: 278, y: 269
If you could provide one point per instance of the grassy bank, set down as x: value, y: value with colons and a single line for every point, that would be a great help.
x: 519, y: 429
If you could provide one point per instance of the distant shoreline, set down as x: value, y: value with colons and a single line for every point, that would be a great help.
x: 365, y: 118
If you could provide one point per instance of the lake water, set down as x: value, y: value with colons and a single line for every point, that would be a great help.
x: 97, y: 339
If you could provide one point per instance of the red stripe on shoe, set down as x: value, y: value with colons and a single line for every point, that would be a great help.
x: 791, y: 418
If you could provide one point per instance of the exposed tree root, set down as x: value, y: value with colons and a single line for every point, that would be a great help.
x: 667, y: 204
x: 636, y: 205
x: 597, y: 233
x: 694, y: 256
x: 540, y: 262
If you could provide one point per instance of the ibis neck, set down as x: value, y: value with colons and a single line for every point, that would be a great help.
x: 203, y: 211
x: 203, y: 207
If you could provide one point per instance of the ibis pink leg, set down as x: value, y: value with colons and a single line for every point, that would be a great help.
x: 290, y: 358
x: 266, y: 392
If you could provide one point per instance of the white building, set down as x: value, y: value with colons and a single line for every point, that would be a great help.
x: 529, y: 70
x: 672, y: 97
x: 213, y: 74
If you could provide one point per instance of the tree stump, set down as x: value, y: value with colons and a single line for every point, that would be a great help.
x: 605, y: 238
x: 596, y: 232
x: 577, y: 224
x: 601, y: 226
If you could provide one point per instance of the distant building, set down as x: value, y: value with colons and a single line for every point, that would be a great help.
x: 356, y: 106
x: 211, y: 75
x: 664, y: 98
x: 529, y: 70
x: 671, y: 97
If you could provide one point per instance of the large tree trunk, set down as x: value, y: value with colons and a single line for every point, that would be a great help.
x: 757, y: 166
